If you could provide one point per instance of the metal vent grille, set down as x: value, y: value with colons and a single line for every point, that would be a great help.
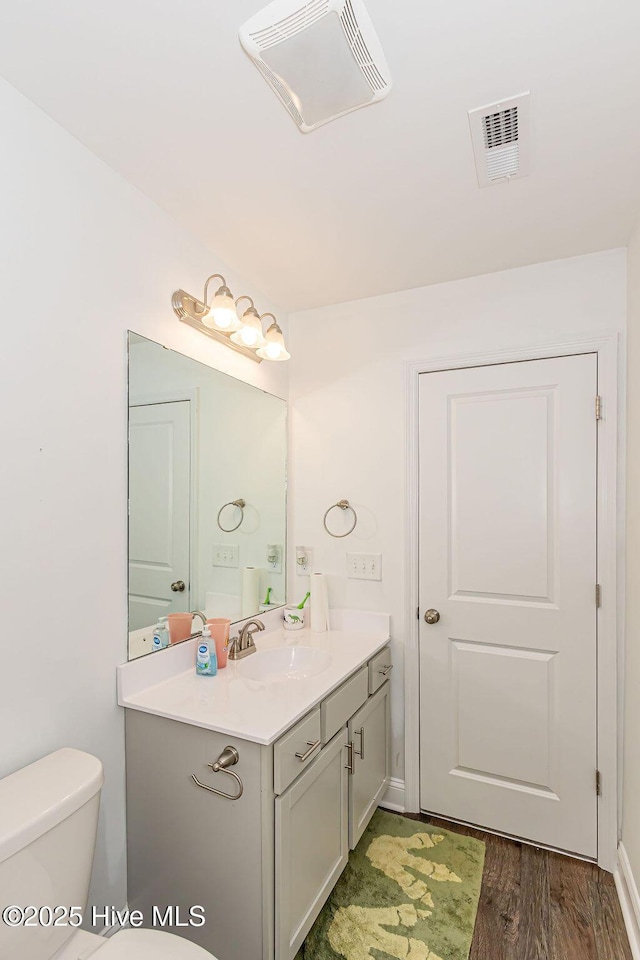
x: 500, y: 128
x: 501, y: 136
x: 503, y: 162
x: 359, y: 48
x: 290, y: 25
x: 281, y: 91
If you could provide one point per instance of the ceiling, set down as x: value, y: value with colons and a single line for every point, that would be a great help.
x: 383, y: 199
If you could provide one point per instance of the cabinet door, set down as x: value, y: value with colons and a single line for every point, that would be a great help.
x: 369, y: 731
x: 312, y: 845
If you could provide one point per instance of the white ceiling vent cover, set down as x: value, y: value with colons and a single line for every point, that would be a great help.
x: 501, y: 136
x: 323, y: 58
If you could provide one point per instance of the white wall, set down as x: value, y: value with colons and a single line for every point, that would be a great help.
x: 348, y: 413
x: 83, y: 257
x: 631, y: 791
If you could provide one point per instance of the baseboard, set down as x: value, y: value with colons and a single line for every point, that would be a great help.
x: 629, y: 900
x: 394, y: 797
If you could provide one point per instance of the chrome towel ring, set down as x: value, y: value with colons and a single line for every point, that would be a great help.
x: 342, y: 505
x: 240, y: 504
x: 227, y: 758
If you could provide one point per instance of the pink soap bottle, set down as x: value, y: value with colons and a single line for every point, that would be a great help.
x: 219, y: 627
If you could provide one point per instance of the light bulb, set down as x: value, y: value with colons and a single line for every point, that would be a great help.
x: 221, y: 314
x: 250, y: 332
x: 274, y: 348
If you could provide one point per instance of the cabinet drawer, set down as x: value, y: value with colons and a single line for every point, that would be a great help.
x: 339, y: 706
x: 294, y: 751
x: 379, y: 669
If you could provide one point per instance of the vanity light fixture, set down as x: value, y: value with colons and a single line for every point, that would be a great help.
x: 274, y: 348
x: 221, y: 313
x: 249, y: 333
x: 219, y: 320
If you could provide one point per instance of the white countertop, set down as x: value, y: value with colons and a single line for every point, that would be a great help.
x: 165, y: 683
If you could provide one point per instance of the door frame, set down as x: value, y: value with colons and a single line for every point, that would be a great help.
x: 610, y: 566
x: 189, y: 395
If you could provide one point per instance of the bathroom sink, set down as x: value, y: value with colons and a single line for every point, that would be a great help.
x: 285, y: 663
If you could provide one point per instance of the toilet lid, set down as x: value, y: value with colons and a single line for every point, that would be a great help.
x: 151, y: 945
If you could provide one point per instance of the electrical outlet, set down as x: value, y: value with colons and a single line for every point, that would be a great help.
x: 364, y: 566
x: 225, y: 555
x: 304, y: 561
x: 274, y: 557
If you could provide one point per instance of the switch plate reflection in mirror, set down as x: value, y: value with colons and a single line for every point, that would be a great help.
x: 225, y: 555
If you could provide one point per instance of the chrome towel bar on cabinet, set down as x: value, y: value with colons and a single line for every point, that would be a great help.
x: 227, y: 758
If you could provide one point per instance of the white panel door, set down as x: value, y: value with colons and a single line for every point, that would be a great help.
x: 508, y: 560
x: 159, y: 510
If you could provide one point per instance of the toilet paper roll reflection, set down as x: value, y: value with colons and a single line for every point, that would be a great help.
x: 250, y: 590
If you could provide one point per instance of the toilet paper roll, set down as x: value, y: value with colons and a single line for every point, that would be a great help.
x: 250, y: 591
x: 319, y: 619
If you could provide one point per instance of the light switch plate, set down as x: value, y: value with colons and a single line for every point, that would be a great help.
x: 364, y: 566
x: 225, y: 554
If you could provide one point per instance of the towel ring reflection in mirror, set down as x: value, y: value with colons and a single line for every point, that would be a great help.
x: 342, y: 505
x: 240, y: 504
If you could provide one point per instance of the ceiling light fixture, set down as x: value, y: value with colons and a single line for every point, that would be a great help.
x: 219, y: 320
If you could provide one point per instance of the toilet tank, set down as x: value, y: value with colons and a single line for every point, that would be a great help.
x: 48, y: 822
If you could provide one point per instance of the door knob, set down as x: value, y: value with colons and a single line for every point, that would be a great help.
x: 431, y: 615
x: 178, y: 586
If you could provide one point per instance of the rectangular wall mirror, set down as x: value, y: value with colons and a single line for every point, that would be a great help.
x: 207, y: 492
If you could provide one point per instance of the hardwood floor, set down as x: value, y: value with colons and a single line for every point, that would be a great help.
x: 537, y: 905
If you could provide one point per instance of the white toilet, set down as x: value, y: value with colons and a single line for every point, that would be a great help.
x: 48, y: 822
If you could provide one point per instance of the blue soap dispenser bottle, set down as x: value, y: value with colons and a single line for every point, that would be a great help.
x: 206, y: 660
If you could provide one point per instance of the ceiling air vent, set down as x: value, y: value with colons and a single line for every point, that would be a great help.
x: 322, y: 59
x: 501, y: 136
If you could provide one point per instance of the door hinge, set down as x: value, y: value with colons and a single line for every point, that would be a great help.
x: 598, y: 408
x: 598, y: 595
x: 598, y: 783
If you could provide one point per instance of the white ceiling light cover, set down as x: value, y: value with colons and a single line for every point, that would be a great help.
x: 501, y: 136
x: 323, y: 58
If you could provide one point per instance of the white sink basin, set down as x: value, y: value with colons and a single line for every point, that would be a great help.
x: 285, y: 663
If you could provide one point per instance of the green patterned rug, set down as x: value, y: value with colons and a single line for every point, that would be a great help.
x: 410, y: 891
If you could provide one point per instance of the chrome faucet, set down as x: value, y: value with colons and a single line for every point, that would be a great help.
x: 242, y: 645
x: 197, y: 633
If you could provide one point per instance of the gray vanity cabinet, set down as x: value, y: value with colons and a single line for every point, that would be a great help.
x: 370, y: 734
x: 261, y: 865
x: 312, y: 844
